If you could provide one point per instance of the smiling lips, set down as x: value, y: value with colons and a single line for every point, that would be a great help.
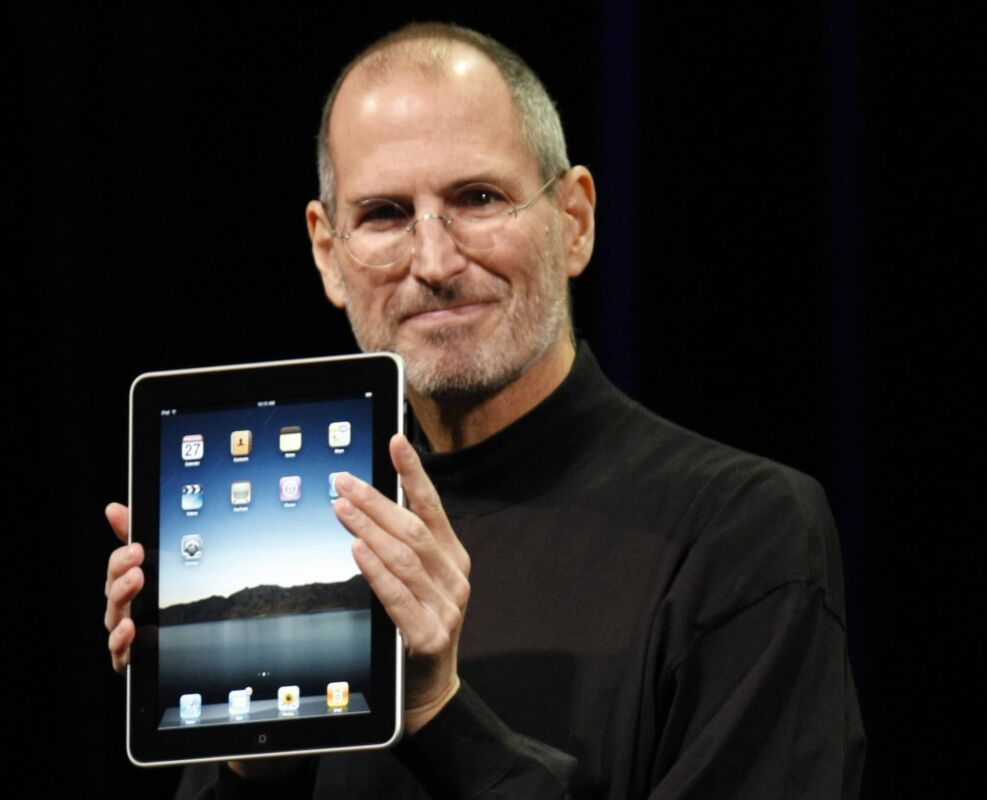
x: 442, y: 313
x: 453, y: 300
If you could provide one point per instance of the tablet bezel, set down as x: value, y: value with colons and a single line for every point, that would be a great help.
x: 309, y: 379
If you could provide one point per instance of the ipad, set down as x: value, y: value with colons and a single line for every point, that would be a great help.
x: 256, y: 634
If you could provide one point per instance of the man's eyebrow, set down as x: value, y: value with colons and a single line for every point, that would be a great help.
x: 361, y: 200
x: 486, y: 178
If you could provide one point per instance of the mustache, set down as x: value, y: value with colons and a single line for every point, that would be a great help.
x: 421, y: 298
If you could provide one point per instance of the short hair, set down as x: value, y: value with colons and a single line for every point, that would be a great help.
x: 538, y: 118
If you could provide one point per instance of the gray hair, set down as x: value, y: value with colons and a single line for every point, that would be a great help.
x: 427, y: 46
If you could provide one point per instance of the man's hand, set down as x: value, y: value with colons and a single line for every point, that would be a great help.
x: 124, y: 579
x: 418, y: 569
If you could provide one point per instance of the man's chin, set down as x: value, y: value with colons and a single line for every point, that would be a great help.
x: 457, y: 372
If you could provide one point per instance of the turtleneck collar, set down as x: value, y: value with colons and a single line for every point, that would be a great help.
x: 518, y: 461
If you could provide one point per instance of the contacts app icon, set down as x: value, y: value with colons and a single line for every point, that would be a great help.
x: 241, y: 443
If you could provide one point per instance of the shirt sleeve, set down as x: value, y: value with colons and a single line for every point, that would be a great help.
x: 466, y: 752
x: 763, y: 705
x: 217, y: 781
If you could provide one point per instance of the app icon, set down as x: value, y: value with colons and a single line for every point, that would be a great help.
x: 339, y: 434
x: 332, y: 484
x: 240, y: 701
x: 288, y: 699
x: 193, y: 446
x: 192, y: 547
x: 290, y: 440
x: 291, y: 488
x: 241, y: 442
x: 240, y: 493
x: 191, y: 497
x: 338, y: 694
x: 190, y: 706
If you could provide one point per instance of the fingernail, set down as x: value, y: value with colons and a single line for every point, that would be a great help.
x: 344, y: 482
x: 343, y: 508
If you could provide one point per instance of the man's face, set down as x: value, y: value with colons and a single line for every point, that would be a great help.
x: 465, y: 323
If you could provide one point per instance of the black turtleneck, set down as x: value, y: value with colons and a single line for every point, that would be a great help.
x: 652, y: 615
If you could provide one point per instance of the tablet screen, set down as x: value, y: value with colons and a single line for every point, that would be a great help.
x: 255, y: 616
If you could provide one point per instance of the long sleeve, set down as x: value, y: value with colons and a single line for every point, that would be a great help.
x: 763, y: 705
x: 468, y: 752
x: 653, y: 616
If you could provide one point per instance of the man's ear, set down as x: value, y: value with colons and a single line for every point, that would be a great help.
x: 578, y: 204
x: 319, y: 232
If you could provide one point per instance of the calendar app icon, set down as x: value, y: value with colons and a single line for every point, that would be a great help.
x: 193, y: 446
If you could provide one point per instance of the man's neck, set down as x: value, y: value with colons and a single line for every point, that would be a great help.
x: 463, y: 422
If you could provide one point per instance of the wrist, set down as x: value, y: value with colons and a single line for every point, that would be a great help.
x: 418, y: 717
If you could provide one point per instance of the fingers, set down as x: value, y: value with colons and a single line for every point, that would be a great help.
x: 424, y: 501
x: 424, y: 556
x: 121, y: 560
x: 419, y: 586
x: 124, y: 579
x: 119, y: 519
x: 419, y: 571
x: 410, y: 556
x: 120, y: 639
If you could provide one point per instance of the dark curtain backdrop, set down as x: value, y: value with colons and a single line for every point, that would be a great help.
x: 784, y: 262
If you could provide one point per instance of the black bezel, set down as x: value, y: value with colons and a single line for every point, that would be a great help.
x: 381, y: 374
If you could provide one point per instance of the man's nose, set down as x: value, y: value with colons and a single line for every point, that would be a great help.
x: 435, y: 256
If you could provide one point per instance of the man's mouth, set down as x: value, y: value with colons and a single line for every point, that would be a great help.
x: 447, y: 312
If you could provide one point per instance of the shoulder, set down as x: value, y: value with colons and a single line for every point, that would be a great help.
x: 739, y: 525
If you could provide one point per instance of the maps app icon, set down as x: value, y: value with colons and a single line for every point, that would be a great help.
x: 339, y: 434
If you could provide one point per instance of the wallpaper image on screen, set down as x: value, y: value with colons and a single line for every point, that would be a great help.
x: 262, y: 611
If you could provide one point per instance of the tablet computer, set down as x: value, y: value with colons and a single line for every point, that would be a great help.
x: 256, y: 634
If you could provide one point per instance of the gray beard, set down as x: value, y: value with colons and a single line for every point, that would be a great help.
x: 450, y: 368
x: 479, y: 372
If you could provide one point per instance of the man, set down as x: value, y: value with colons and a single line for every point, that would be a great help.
x: 650, y: 614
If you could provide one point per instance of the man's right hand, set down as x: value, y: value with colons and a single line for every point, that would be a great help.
x: 124, y: 579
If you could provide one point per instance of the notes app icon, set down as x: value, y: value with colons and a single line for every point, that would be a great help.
x: 290, y: 439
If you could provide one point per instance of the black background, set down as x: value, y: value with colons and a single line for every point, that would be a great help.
x: 788, y: 259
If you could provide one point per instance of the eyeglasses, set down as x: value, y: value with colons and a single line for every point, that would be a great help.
x: 382, y: 232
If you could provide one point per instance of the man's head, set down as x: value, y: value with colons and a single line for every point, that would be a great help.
x: 428, y: 47
x: 425, y: 124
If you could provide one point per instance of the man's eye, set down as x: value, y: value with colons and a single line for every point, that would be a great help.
x: 479, y: 198
x: 382, y: 215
